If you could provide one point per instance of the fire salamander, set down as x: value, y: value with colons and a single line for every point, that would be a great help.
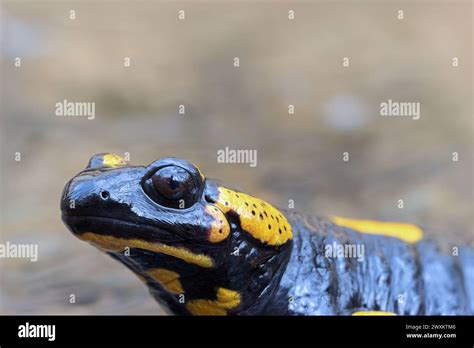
x: 205, y: 249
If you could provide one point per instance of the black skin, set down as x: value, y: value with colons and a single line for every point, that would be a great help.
x: 406, y: 279
x: 295, y: 278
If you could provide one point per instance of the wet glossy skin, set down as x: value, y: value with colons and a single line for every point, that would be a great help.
x: 202, y: 248
x: 120, y: 202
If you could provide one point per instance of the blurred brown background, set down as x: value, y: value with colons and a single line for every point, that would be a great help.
x: 190, y: 62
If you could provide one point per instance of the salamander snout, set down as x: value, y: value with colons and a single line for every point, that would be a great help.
x: 92, y: 191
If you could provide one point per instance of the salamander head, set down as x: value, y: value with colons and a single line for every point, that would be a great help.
x: 200, y: 247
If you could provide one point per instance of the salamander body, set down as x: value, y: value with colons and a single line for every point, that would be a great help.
x: 205, y: 249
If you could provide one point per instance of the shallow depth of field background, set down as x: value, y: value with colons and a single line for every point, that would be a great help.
x: 190, y: 62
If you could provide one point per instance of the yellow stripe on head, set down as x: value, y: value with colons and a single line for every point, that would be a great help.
x: 113, y: 160
x: 115, y: 244
x: 110, y: 160
x: 406, y: 232
x: 263, y: 221
x: 226, y: 299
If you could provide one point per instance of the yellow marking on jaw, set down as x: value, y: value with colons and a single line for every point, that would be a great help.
x: 407, y: 232
x: 115, y: 244
x: 220, y: 228
x: 113, y: 160
x: 167, y: 279
x: 260, y: 219
x: 372, y: 313
x: 226, y: 299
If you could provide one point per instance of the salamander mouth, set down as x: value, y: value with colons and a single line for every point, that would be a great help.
x: 118, y: 228
x: 97, y: 231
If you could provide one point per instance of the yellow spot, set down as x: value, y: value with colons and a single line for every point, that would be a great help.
x: 226, y: 299
x: 260, y: 219
x: 220, y: 228
x: 406, y: 232
x: 113, y: 160
x: 372, y: 313
x: 115, y: 244
x: 167, y: 279
x: 204, y: 307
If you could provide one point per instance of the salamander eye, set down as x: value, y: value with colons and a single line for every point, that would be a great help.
x: 171, y: 186
x: 172, y: 182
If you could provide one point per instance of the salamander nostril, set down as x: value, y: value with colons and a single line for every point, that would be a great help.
x: 104, y: 195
